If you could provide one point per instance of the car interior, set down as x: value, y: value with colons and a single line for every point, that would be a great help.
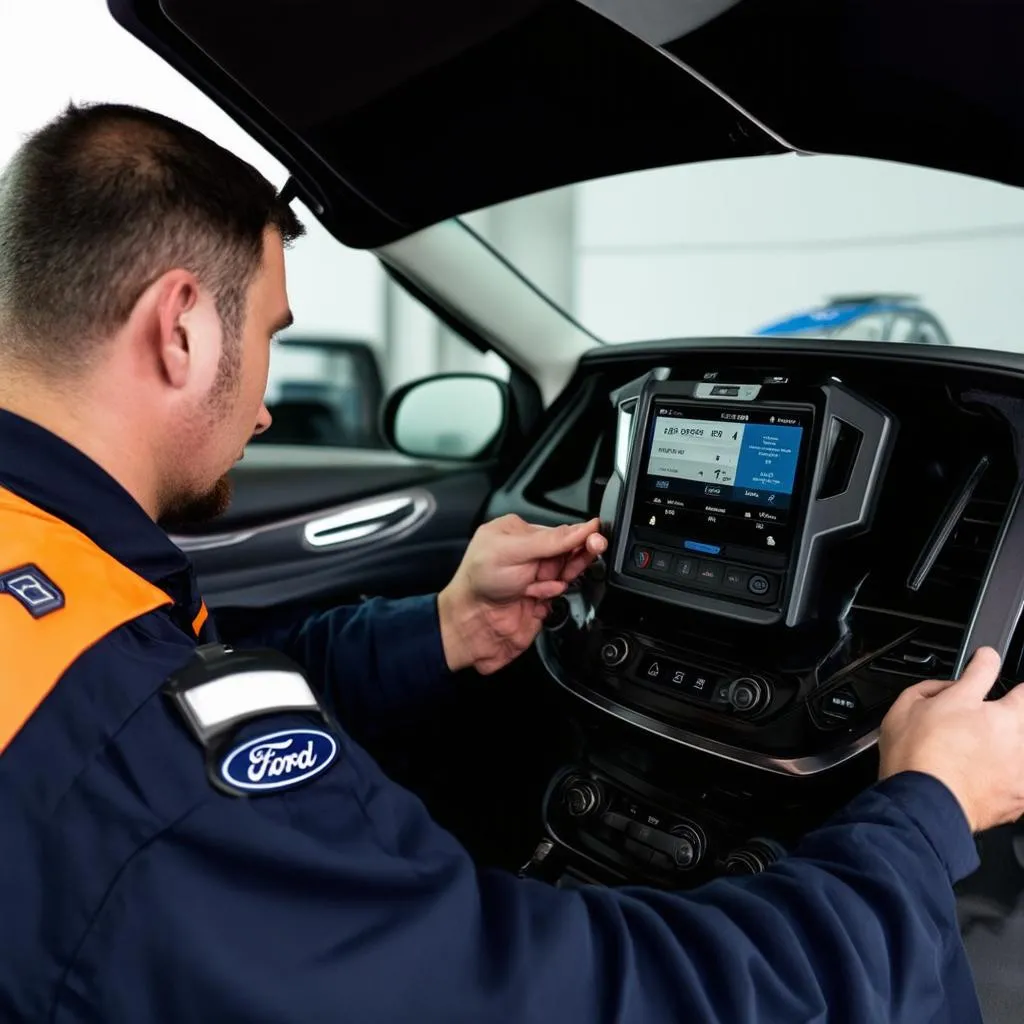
x: 799, y: 528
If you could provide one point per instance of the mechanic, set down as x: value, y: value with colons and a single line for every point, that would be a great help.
x: 141, y: 281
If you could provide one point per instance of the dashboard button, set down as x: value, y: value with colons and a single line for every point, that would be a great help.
x: 685, y: 568
x: 841, y: 705
x: 615, y: 651
x: 640, y: 832
x: 710, y: 573
x: 699, y: 685
x: 759, y: 585
x: 734, y: 579
x: 616, y: 821
x: 661, y: 562
x: 641, y: 557
x: 677, y: 677
x: 656, y: 669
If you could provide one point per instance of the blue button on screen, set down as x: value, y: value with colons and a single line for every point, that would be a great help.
x: 704, y: 549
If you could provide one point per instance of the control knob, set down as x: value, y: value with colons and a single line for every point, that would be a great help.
x: 614, y: 651
x: 689, y: 847
x: 581, y: 797
x: 748, y: 695
x: 753, y: 857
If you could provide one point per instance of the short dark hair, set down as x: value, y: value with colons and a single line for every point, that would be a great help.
x: 100, y: 202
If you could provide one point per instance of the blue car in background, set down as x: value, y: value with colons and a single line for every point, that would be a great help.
x: 864, y: 318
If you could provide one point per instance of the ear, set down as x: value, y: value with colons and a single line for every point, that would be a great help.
x: 176, y: 331
x: 176, y: 298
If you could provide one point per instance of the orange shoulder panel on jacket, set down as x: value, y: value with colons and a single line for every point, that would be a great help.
x: 59, y: 595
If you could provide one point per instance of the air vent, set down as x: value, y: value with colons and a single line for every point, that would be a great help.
x: 943, y: 585
x: 962, y: 562
x: 929, y: 654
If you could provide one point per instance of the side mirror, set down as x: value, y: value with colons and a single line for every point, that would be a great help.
x: 456, y: 416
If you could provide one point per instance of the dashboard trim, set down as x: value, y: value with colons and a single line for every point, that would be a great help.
x: 800, y: 767
x: 852, y: 508
x: 758, y: 348
x: 1000, y: 601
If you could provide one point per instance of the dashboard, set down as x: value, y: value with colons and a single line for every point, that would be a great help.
x: 798, y: 531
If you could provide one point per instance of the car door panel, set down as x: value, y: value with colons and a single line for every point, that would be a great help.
x: 317, y: 533
x: 273, y: 483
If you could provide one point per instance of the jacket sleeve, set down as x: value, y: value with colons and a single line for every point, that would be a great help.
x: 374, y: 663
x: 206, y: 925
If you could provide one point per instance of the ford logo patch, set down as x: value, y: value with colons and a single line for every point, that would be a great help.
x: 279, y: 759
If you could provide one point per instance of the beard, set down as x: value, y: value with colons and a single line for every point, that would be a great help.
x: 189, y: 509
x: 193, y: 510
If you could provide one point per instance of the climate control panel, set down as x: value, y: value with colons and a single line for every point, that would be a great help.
x: 674, y: 672
x: 610, y: 826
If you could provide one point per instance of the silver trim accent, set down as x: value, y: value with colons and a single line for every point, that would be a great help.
x: 624, y: 435
x: 947, y: 524
x: 995, y: 614
x: 212, y: 541
x: 812, y: 764
x: 995, y: 628
x: 366, y: 520
x: 851, y: 509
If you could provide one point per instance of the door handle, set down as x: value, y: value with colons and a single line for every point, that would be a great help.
x: 365, y: 520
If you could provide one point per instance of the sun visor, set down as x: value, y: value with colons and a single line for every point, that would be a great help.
x: 397, y: 115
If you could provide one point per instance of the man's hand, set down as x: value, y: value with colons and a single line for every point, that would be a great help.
x: 974, y: 746
x: 496, y: 602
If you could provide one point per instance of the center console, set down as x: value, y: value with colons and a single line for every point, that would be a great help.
x: 734, y: 510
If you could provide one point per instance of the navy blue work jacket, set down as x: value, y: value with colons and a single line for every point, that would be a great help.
x: 132, y: 891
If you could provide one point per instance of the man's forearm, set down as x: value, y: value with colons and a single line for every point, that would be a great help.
x: 373, y: 662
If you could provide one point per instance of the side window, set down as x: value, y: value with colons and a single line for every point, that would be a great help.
x: 357, y: 336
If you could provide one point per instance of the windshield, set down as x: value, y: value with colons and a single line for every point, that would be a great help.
x: 779, y: 246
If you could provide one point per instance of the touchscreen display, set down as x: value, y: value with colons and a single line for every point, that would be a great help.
x: 721, y: 473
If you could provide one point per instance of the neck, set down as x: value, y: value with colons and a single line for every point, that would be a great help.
x: 97, y: 428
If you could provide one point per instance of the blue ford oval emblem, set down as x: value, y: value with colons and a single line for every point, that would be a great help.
x: 279, y: 759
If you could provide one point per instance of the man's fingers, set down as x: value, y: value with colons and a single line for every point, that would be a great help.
x: 977, y: 679
x: 553, y: 541
x: 545, y: 590
x: 550, y: 568
x: 576, y: 564
x: 980, y: 675
x: 930, y: 687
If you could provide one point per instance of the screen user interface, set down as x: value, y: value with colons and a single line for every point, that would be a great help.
x: 724, y: 473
